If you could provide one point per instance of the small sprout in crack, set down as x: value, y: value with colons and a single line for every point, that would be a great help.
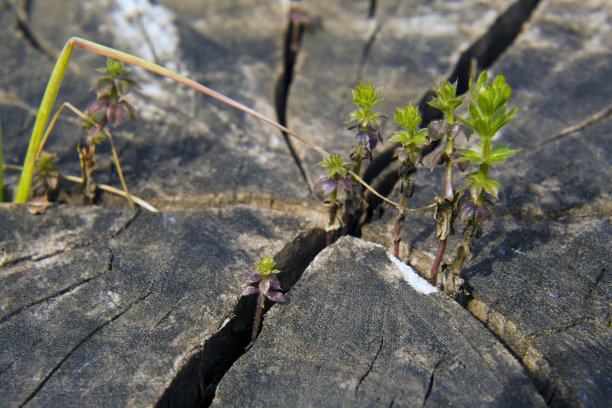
x: 336, y: 175
x: 410, y: 138
x: 110, y: 107
x: 368, y: 121
x: 44, y: 182
x: 447, y: 205
x: 487, y: 115
x: 264, y: 284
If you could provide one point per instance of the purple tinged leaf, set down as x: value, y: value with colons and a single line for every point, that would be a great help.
x: 275, y: 296
x: 116, y: 114
x: 95, y: 107
x: 254, y: 278
x: 348, y: 185
x: 275, y: 284
x: 130, y: 110
x: 250, y: 290
x: 329, y: 186
x: 461, y: 165
x: 362, y: 138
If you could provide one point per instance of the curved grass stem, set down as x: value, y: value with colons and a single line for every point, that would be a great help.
x: 59, y: 71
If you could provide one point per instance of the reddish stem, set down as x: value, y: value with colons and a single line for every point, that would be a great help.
x: 260, y: 304
x: 437, y: 262
x: 397, y: 237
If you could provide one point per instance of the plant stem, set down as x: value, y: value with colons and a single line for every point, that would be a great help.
x: 260, y: 304
x: 104, y: 187
x: 333, y: 210
x: 397, y: 232
x: 437, y: 262
x: 448, y: 191
x: 110, y: 138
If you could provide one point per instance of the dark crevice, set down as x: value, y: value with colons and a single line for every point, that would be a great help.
x: 6, y: 368
x: 490, y: 46
x: 196, y: 383
x: 79, y: 344
x: 364, y: 376
x: 478, y: 57
x: 372, y: 10
x: 432, y: 381
x: 291, y: 45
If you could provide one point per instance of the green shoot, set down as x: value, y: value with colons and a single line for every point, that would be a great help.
x: 487, y: 114
x: 267, y: 286
x: 365, y: 97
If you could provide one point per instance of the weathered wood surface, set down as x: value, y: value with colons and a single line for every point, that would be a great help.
x: 355, y: 333
x: 110, y: 321
x: 540, y: 276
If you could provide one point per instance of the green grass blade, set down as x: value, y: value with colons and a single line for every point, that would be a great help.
x: 25, y: 181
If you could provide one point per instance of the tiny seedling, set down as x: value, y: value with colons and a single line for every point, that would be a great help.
x: 264, y: 284
x: 336, y: 176
x: 409, y: 154
x: 109, y: 107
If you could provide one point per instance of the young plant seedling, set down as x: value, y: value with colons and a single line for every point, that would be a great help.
x: 488, y: 113
x: 109, y: 107
x: 447, y: 101
x: 410, y: 138
x: 337, y: 175
x: 367, y: 122
x: 264, y: 284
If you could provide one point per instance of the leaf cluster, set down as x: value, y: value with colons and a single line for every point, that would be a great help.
x: 266, y: 267
x: 497, y: 154
x: 365, y: 97
x: 487, y: 112
x: 336, y: 167
x: 115, y: 83
x: 411, y: 136
x: 446, y: 99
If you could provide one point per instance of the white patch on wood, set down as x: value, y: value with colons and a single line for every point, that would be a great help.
x: 414, y: 280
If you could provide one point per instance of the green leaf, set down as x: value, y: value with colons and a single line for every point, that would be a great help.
x: 487, y: 111
x: 446, y: 99
x: 499, y: 153
x: 492, y: 187
x: 335, y: 166
x: 408, y: 117
x: 266, y: 266
x: 470, y: 155
x: 366, y: 96
x: 402, y: 137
